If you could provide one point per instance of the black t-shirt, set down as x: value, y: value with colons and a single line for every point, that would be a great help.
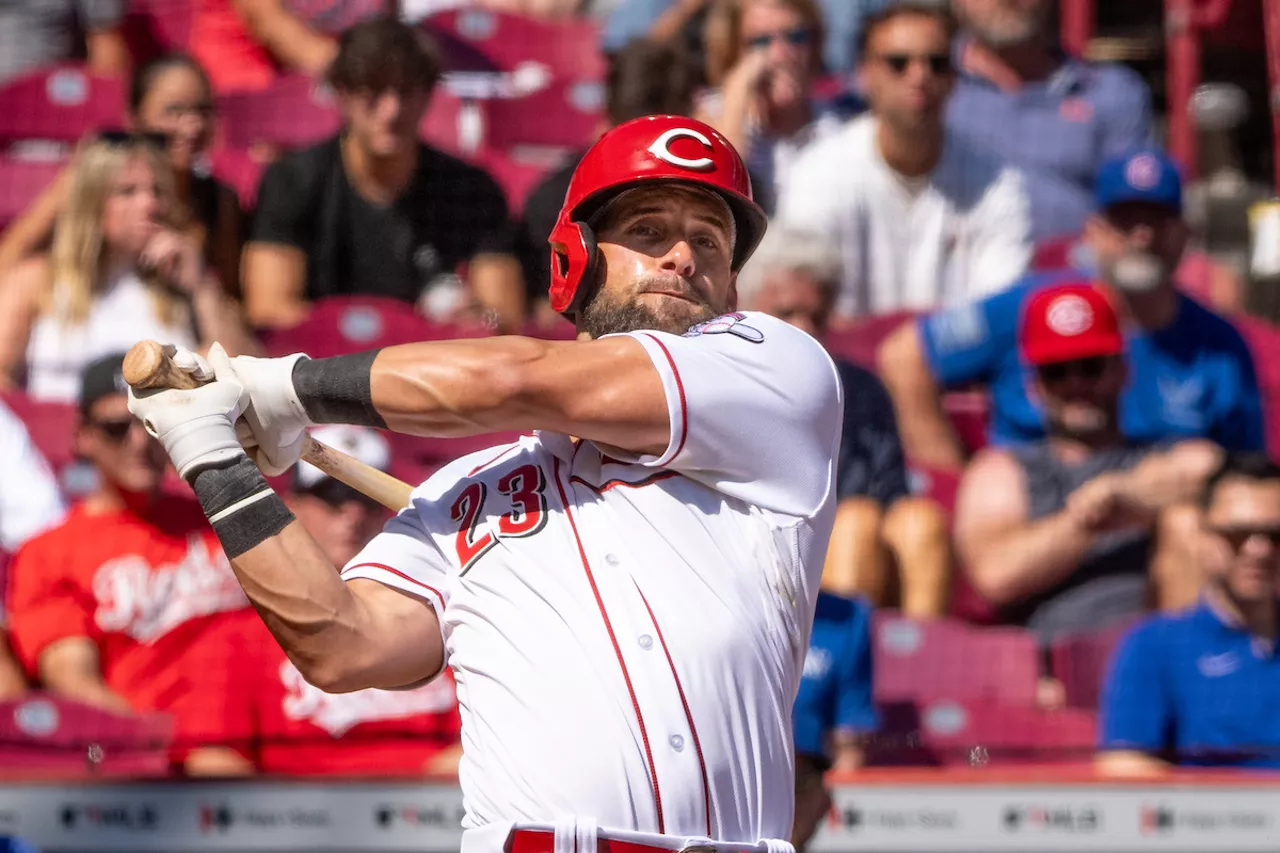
x: 872, y: 464
x: 450, y: 212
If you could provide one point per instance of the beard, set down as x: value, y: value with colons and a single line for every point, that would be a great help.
x: 604, y: 315
x: 1138, y: 272
x: 1009, y: 30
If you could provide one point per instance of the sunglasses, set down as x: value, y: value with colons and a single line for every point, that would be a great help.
x: 796, y: 37
x: 939, y: 64
x: 125, y: 138
x: 1086, y: 368
x: 1238, y: 536
x: 115, y: 430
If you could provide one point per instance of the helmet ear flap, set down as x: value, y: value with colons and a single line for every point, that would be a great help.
x: 573, y: 265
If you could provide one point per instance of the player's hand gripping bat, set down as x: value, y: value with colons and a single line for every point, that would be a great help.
x: 150, y: 365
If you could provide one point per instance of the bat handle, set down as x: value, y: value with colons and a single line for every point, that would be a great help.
x: 150, y: 365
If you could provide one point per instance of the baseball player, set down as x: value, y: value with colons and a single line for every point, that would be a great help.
x: 625, y: 593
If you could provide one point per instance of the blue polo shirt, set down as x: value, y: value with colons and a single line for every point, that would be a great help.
x: 835, y: 687
x: 1195, y: 685
x: 1192, y: 379
x: 1057, y: 131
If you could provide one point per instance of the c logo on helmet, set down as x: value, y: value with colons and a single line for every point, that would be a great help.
x: 661, y: 149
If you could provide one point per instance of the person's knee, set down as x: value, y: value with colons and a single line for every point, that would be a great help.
x: 859, y: 517
x: 915, y: 519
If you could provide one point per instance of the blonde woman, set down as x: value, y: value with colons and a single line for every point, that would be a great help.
x: 762, y: 59
x: 123, y: 267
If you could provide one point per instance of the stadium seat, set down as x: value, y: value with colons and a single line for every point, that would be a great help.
x: 566, y: 49
x: 51, y: 426
x: 969, y: 413
x: 451, y: 124
x: 920, y: 661
x: 975, y: 733
x: 20, y: 182
x: 43, y: 734
x: 240, y: 170
x: 296, y: 111
x: 1080, y: 662
x: 155, y: 27
x: 344, y: 324
x: 516, y: 177
x: 859, y: 341
x: 61, y: 104
x: 562, y: 115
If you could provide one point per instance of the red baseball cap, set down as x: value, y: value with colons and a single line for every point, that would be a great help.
x: 1069, y: 321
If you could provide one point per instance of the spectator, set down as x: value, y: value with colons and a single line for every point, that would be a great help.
x: 833, y: 711
x: 246, y: 44
x: 794, y: 275
x: 37, y: 33
x: 300, y: 729
x: 123, y: 267
x: 169, y: 95
x: 1053, y: 116
x: 763, y: 56
x: 374, y: 211
x: 921, y: 218
x: 1190, y: 373
x: 645, y: 78
x: 1058, y: 533
x: 1201, y: 687
x: 122, y: 605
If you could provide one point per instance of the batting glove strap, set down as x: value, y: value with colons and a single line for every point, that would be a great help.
x: 242, y: 508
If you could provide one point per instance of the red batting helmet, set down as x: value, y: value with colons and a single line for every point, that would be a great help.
x: 652, y: 148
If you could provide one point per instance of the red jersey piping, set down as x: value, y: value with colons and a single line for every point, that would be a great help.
x: 398, y: 574
x: 684, y: 407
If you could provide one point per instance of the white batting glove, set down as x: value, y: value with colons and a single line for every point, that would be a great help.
x: 197, y: 426
x: 275, y: 423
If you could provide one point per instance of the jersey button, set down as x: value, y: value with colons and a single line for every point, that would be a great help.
x: 677, y: 742
x: 612, y: 559
x: 646, y: 642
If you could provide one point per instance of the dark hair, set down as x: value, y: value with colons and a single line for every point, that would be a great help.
x: 146, y: 74
x: 649, y: 78
x: 1242, y: 465
x: 904, y: 8
x: 382, y: 53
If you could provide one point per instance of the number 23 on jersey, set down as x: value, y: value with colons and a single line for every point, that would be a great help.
x: 523, y: 487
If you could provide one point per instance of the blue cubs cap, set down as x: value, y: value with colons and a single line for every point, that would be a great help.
x: 1147, y: 175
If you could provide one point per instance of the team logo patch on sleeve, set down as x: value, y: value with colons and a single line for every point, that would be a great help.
x: 731, y: 324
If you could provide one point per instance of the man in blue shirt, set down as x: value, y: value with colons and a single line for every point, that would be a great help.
x: 1053, y: 116
x: 833, y: 709
x: 1203, y: 687
x: 1191, y: 374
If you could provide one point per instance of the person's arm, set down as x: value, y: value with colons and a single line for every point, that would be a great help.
x: 856, y: 714
x: 671, y: 22
x: 498, y: 284
x: 738, y: 95
x: 20, y: 293
x: 70, y: 667
x: 273, y: 274
x: 1137, y: 718
x: 1002, y: 246
x: 928, y: 437
x: 108, y: 52
x: 1167, y: 477
x: 226, y: 242
x: 1009, y: 557
x: 12, y: 682
x: 293, y: 44
x: 32, y: 231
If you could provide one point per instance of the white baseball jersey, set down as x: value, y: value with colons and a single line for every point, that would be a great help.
x: 627, y: 633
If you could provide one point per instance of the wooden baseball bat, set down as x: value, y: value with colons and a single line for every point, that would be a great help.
x: 150, y: 365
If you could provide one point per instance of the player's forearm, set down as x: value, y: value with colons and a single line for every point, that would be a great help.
x: 605, y: 390
x: 1015, y: 565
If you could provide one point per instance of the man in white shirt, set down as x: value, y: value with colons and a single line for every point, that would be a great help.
x: 624, y: 595
x: 922, y: 219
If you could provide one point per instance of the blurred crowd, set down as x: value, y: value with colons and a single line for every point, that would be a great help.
x: 1052, y: 420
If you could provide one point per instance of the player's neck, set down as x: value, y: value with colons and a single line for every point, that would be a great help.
x: 909, y: 153
x: 378, y: 179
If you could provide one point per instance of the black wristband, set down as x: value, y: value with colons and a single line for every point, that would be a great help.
x: 338, y: 390
x: 240, y: 505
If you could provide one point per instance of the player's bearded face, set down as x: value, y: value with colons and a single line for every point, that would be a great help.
x: 609, y: 313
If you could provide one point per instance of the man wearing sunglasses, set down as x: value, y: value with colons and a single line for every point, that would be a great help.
x: 126, y: 604
x: 1057, y: 534
x: 1202, y: 687
x: 922, y: 219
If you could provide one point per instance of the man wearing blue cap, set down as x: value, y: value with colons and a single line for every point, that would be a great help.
x: 1191, y: 375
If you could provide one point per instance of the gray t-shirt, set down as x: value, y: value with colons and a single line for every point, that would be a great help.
x: 34, y: 33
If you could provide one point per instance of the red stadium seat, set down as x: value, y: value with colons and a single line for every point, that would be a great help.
x: 1080, y: 662
x: 346, y: 324
x: 450, y: 124
x: 562, y: 115
x: 517, y: 178
x: 51, y: 426
x: 859, y: 341
x: 567, y: 49
x: 21, y: 181
x: 240, y: 170
x: 918, y: 661
x: 296, y: 111
x: 968, y: 732
x: 61, y: 104
x: 968, y: 412
x: 44, y: 734
x: 153, y: 27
